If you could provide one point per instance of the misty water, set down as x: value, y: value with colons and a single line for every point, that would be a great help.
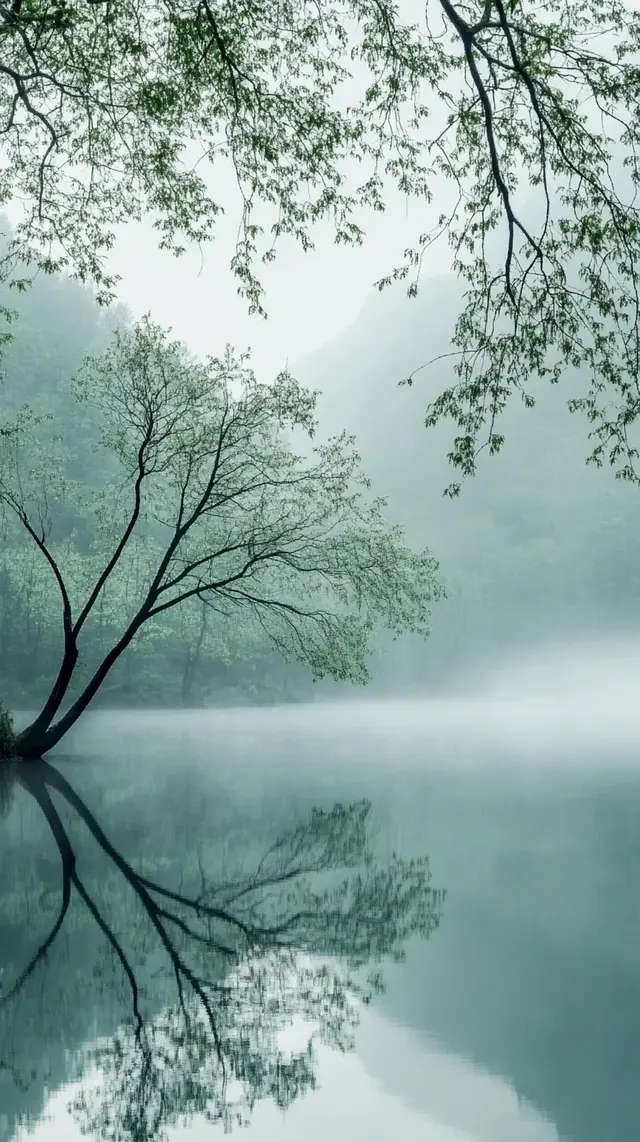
x: 517, y: 1019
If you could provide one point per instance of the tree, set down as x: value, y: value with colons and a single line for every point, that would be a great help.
x: 309, y: 925
x: 527, y: 110
x: 211, y: 504
x: 58, y: 325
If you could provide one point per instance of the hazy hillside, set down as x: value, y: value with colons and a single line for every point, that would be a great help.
x: 538, y: 547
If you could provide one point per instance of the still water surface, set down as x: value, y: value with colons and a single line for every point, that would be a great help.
x: 516, y: 1018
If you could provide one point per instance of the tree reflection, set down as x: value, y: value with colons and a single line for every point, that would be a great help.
x: 7, y: 784
x: 296, y: 940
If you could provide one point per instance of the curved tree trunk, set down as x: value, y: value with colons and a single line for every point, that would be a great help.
x: 39, y: 738
x: 28, y: 741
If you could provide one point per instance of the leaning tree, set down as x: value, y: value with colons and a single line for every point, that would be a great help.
x: 524, y: 114
x: 213, y: 500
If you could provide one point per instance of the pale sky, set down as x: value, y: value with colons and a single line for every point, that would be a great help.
x: 427, y: 1096
x: 309, y: 297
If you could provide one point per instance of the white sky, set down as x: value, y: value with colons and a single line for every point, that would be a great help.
x: 309, y: 297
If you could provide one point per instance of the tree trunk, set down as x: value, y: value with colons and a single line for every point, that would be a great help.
x: 41, y: 736
x: 30, y: 739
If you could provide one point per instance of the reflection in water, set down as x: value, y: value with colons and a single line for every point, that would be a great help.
x: 205, y: 959
x: 439, y: 1086
x: 7, y: 787
x: 519, y: 1022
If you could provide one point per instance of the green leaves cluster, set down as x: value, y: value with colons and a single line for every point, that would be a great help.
x: 108, y: 111
x: 526, y: 112
x: 541, y: 146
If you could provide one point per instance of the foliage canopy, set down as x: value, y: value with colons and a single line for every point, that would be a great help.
x: 528, y: 112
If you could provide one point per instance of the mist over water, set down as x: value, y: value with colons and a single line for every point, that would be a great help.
x: 588, y: 669
x: 568, y: 703
x: 582, y: 694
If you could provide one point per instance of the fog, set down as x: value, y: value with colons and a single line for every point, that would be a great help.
x: 580, y: 697
x: 570, y: 705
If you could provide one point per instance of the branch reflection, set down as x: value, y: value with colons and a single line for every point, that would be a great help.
x: 217, y: 966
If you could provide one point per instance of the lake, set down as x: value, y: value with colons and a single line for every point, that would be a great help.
x: 514, y: 1016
